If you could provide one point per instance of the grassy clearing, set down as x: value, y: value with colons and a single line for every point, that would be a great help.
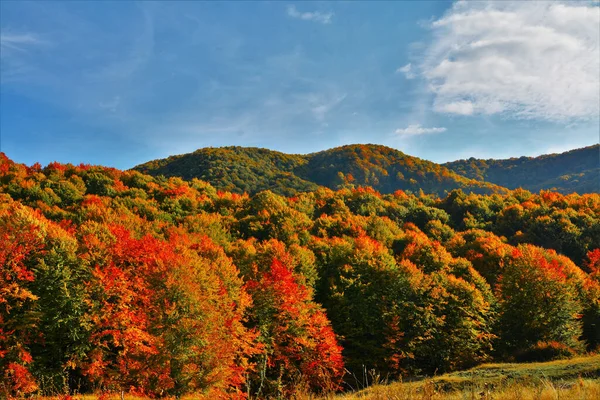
x: 573, y: 379
x: 577, y: 378
x: 581, y: 389
x: 495, y: 374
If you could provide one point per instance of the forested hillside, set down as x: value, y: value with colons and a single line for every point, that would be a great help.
x: 117, y: 281
x: 576, y: 171
x: 236, y: 169
x: 250, y: 170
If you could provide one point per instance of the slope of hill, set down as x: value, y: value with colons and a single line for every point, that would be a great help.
x: 574, y: 171
x: 563, y: 379
x: 114, y: 280
x: 236, y: 169
x: 240, y: 169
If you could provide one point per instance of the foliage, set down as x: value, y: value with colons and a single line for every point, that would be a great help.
x: 538, y: 301
x: 573, y: 171
x: 119, y: 281
x: 252, y: 170
x: 299, y: 346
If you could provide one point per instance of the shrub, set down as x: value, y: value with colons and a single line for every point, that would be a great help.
x: 545, y: 351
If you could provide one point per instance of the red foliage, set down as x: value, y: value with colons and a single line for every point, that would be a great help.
x: 37, y: 167
x: 177, y: 191
x: 593, y: 262
x: 19, y: 242
x: 20, y: 379
x: 126, y: 309
x: 366, y: 190
x: 303, y: 344
x: 119, y: 186
x: 150, y: 295
x: 5, y: 164
x: 92, y: 199
x: 68, y: 226
x: 544, y: 261
x: 56, y: 166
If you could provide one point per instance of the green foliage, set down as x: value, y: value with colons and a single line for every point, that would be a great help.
x: 236, y: 169
x: 575, y: 171
x: 268, y: 216
x: 251, y: 170
x: 538, y: 302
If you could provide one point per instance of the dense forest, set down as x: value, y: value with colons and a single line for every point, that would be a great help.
x: 251, y: 170
x: 120, y: 281
x: 573, y: 171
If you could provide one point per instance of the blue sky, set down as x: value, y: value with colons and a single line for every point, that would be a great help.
x: 120, y: 83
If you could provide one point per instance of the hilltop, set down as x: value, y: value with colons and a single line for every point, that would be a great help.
x: 573, y: 171
x: 251, y: 170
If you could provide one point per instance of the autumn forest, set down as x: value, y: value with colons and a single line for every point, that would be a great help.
x: 270, y: 274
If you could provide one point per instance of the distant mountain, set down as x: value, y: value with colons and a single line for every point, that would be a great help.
x: 573, y: 171
x: 243, y: 169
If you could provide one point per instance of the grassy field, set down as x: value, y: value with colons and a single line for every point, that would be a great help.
x: 583, y: 389
x: 574, y: 379
x: 577, y: 378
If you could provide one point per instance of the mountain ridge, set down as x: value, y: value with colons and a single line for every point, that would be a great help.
x: 576, y: 170
x: 253, y: 169
x: 247, y: 169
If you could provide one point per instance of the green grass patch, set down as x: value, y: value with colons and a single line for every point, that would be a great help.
x: 496, y: 374
x: 577, y: 378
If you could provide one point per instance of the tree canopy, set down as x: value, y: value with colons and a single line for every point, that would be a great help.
x: 116, y: 280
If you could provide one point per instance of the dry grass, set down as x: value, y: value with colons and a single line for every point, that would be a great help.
x: 582, y: 389
x: 574, y: 379
x: 577, y: 378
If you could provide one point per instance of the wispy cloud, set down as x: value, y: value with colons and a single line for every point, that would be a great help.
x: 16, y: 54
x: 534, y: 60
x: 18, y: 41
x: 407, y: 70
x: 417, y: 129
x: 111, y: 105
x: 322, y: 106
x: 316, y: 16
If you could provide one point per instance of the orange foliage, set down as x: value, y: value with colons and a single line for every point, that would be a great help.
x: 137, y: 286
x: 300, y: 343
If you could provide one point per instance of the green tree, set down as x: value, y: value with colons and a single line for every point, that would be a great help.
x: 538, y: 302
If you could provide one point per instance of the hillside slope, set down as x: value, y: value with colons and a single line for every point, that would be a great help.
x: 235, y: 169
x: 240, y: 169
x: 575, y: 378
x: 155, y: 285
x: 573, y: 171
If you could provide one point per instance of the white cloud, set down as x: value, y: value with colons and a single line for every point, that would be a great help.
x: 316, y: 16
x: 522, y: 59
x: 417, y: 129
x: 407, y: 71
x: 17, y: 42
x: 457, y: 107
